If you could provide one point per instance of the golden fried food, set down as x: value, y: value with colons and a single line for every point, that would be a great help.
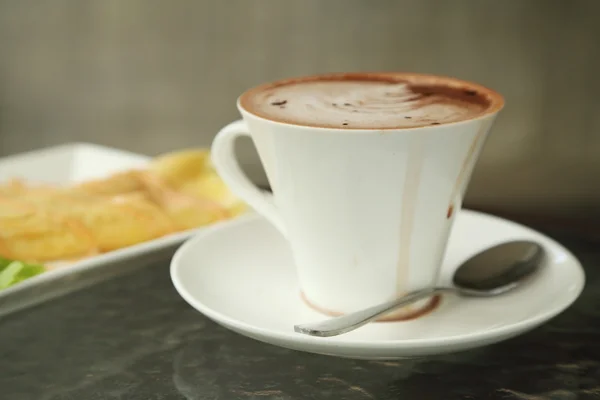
x: 35, y: 235
x: 185, y: 211
x: 210, y: 186
x: 10, y: 208
x: 14, y: 187
x: 180, y: 167
x: 120, y: 222
x: 191, y: 172
x: 120, y: 183
x: 114, y: 222
x: 178, y: 191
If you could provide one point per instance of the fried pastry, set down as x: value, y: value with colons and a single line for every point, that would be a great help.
x: 178, y: 191
x: 185, y: 211
x: 30, y: 234
x: 179, y: 167
x: 120, y: 183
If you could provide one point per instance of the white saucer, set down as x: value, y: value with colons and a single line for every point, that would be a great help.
x: 241, y: 275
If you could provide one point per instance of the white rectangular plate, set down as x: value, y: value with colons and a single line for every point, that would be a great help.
x: 64, y: 165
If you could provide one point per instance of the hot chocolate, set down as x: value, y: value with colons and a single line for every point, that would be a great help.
x: 371, y: 101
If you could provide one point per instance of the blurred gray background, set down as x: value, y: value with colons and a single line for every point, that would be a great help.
x: 155, y: 75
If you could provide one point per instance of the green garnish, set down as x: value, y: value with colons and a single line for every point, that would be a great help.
x: 12, y: 272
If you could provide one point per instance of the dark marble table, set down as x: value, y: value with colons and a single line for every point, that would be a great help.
x: 133, y: 338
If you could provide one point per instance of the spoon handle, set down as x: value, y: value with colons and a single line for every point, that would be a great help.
x: 349, y: 322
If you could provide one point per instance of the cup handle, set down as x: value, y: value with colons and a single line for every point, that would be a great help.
x: 226, y: 164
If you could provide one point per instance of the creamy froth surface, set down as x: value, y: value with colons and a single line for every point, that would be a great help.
x: 369, y: 101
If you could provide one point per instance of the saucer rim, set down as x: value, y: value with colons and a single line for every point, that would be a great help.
x: 460, y: 340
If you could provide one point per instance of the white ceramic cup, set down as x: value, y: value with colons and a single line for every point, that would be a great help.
x: 367, y: 212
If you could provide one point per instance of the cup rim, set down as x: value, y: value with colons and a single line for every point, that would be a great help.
x: 497, y: 101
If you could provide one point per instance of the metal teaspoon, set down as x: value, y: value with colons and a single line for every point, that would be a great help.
x: 491, y: 272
